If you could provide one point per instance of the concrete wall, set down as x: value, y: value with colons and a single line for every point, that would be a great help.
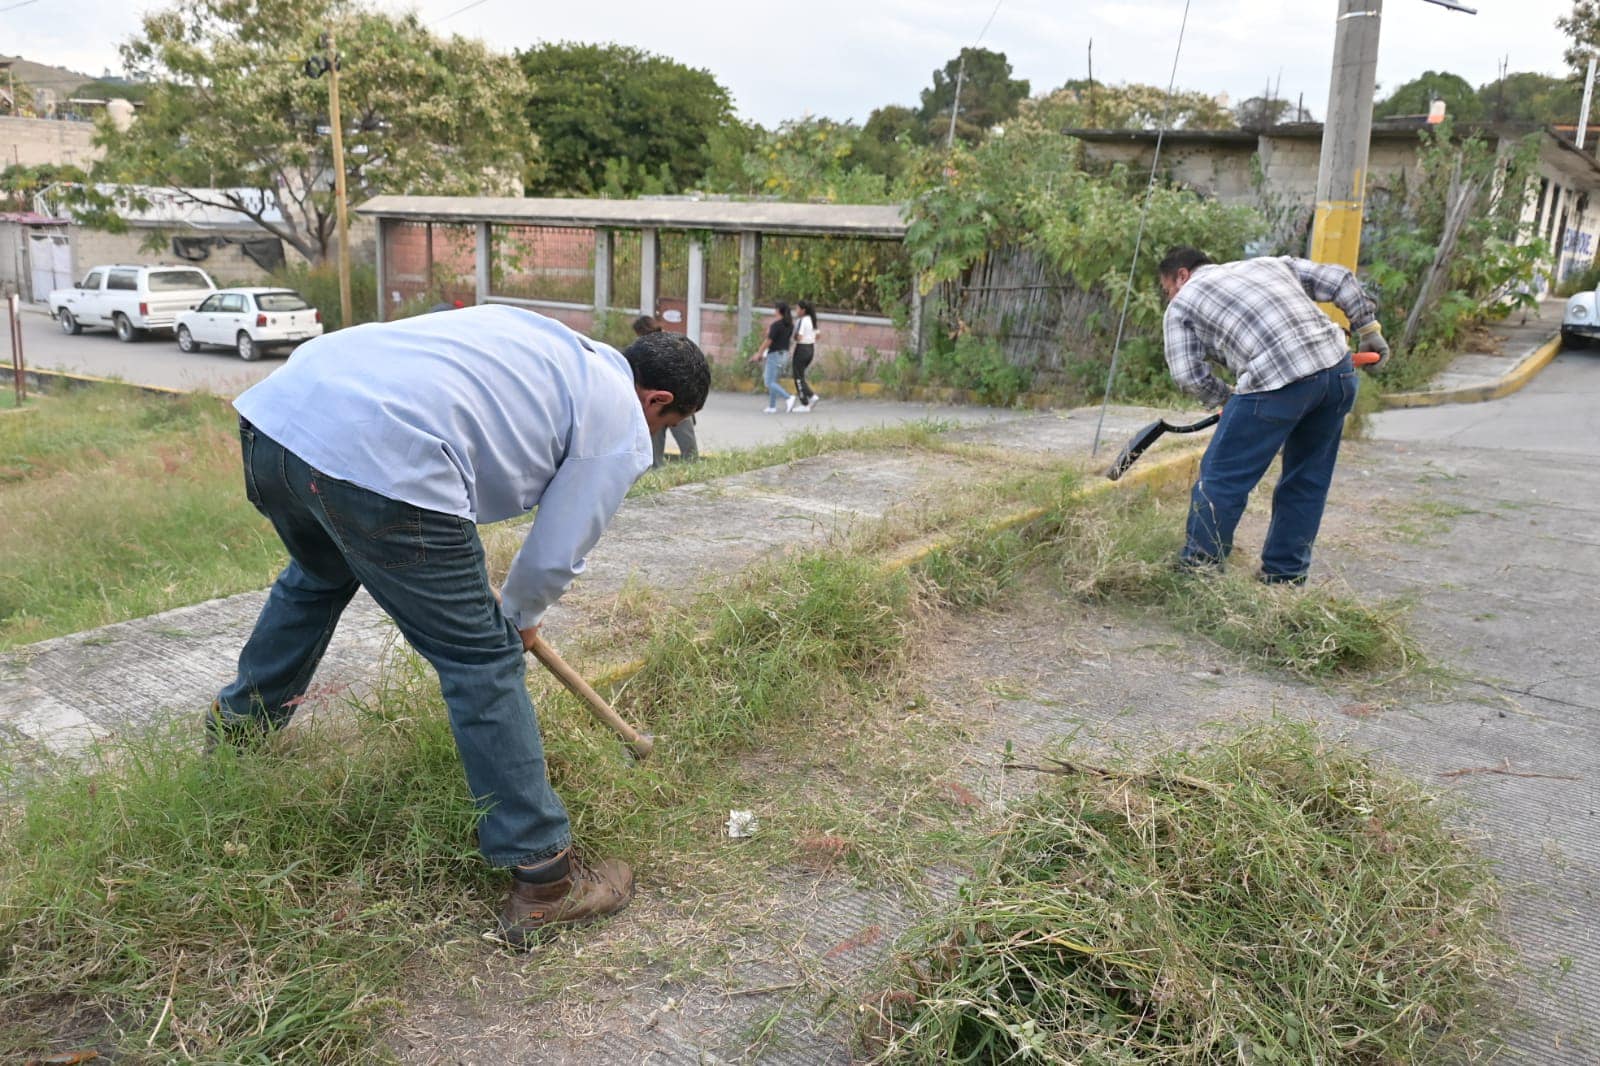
x: 32, y: 142
x: 227, y: 266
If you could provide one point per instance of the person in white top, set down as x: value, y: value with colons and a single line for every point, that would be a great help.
x: 805, y: 349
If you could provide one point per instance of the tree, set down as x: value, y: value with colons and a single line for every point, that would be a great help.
x: 989, y: 95
x: 807, y: 159
x: 1417, y: 95
x: 645, y: 120
x: 1264, y: 112
x: 1582, y: 25
x: 1529, y: 97
x: 888, y: 139
x: 232, y: 120
x: 1080, y: 105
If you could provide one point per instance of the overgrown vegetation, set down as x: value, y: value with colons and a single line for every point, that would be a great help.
x: 1269, y: 898
x: 1489, y: 272
x: 269, y: 904
x: 116, y: 504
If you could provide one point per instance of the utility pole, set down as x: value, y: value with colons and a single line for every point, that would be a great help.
x: 955, y: 105
x: 345, y: 310
x: 1583, y: 111
x: 315, y: 67
x: 1342, y: 175
x: 1091, y: 84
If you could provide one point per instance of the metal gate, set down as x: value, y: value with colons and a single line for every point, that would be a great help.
x: 49, y: 263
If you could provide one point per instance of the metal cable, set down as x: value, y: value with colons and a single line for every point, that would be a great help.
x: 1138, y: 241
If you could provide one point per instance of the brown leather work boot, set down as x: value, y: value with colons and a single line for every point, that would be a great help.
x: 561, y: 891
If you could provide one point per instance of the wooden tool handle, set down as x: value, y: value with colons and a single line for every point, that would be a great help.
x: 641, y: 743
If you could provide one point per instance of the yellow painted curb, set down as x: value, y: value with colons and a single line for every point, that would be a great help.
x: 78, y: 380
x: 1520, y: 375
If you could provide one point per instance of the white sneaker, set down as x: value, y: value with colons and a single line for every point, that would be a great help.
x: 815, y: 399
x: 789, y: 404
x: 803, y: 409
x: 770, y: 411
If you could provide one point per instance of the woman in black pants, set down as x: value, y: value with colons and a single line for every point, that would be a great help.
x: 805, y: 349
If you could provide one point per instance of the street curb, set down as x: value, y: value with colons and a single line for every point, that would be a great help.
x: 1518, y: 376
x: 44, y: 378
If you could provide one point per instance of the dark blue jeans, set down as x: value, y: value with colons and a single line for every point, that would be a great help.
x: 426, y: 569
x: 1304, y: 420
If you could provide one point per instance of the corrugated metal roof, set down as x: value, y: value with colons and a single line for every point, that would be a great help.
x: 837, y: 220
x: 31, y: 218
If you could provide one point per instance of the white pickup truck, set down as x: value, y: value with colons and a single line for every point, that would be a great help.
x: 130, y: 299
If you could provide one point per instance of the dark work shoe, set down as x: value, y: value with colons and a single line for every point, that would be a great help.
x: 537, y: 904
x: 1199, y: 565
x: 232, y: 730
x: 1280, y: 579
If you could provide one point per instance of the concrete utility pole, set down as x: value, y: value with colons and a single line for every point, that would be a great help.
x: 955, y: 104
x: 345, y: 307
x: 1588, y: 95
x: 1342, y: 176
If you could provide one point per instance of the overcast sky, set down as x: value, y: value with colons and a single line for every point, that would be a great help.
x: 842, y: 58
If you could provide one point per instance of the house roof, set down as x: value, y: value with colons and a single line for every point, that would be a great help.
x: 723, y: 216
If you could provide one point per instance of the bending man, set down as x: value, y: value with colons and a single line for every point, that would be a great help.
x: 1293, y: 385
x: 374, y: 452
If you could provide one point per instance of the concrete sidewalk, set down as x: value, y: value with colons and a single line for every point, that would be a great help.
x: 61, y: 694
x: 1519, y: 348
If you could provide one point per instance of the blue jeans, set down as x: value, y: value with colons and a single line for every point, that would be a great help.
x: 776, y: 394
x: 1304, y: 420
x: 426, y: 569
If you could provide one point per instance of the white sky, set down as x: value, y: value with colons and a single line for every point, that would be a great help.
x: 842, y: 58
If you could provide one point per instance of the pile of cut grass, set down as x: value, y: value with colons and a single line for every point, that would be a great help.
x: 1268, y: 899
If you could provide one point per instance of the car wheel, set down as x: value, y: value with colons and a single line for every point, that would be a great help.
x: 186, y: 341
x: 68, y: 324
x: 1573, y: 340
x: 247, y: 348
x: 126, y: 333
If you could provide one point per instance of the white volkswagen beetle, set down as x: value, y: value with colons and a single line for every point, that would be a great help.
x: 249, y: 320
x: 1581, y: 320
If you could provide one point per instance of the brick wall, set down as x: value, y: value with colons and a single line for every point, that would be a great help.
x: 33, y: 142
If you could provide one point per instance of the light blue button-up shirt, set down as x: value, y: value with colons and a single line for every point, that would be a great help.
x: 481, y: 412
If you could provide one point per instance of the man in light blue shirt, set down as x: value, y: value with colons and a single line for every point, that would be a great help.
x: 375, y: 452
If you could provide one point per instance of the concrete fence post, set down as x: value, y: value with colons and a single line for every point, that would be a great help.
x: 697, y: 285
x: 602, y: 270
x: 485, y: 260
x: 749, y: 253
x: 649, y: 265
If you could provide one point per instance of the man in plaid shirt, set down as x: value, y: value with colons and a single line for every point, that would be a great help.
x: 1293, y: 385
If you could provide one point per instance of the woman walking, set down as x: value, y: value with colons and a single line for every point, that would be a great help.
x: 805, y: 349
x: 775, y: 347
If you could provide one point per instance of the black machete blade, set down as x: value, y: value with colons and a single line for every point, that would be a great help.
x: 1135, y: 448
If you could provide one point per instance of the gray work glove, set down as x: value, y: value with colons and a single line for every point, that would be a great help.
x: 1370, y: 339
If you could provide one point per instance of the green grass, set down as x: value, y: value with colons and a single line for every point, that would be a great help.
x: 116, y: 504
x: 1271, y: 898
x: 266, y: 905
x: 273, y: 905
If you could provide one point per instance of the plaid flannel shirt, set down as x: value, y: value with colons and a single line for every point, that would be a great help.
x: 1259, y: 318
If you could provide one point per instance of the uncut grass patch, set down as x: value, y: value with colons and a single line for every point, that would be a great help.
x: 116, y: 504
x: 1270, y: 898
x: 268, y: 906
x: 1121, y: 550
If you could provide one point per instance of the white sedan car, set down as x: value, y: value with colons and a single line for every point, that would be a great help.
x: 249, y: 320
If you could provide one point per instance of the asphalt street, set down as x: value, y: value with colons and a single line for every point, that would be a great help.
x: 730, y: 419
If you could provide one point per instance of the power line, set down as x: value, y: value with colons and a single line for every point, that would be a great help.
x: 986, y: 25
x: 1138, y: 241
x: 13, y: 7
x: 441, y: 18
